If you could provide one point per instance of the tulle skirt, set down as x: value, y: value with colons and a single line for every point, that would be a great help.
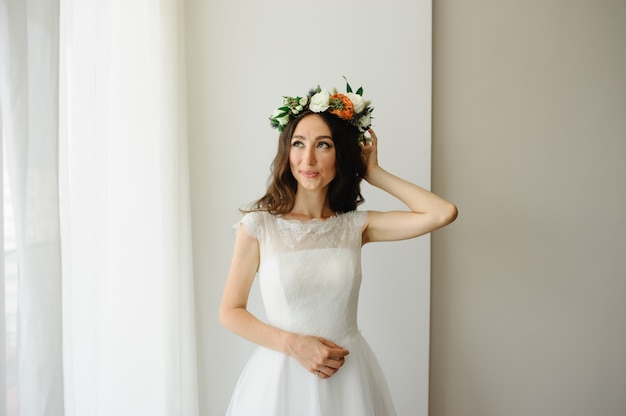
x: 273, y: 384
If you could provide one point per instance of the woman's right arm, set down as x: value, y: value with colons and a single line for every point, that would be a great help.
x: 233, y: 310
x: 313, y: 353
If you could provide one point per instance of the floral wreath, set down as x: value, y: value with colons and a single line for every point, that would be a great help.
x: 350, y: 107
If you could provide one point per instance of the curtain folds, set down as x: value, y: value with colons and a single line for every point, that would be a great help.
x: 94, y: 117
x: 128, y: 287
x: 29, y: 92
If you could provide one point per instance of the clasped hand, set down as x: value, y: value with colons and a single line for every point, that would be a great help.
x: 319, y: 356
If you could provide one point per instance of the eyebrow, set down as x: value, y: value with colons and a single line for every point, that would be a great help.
x: 317, y: 138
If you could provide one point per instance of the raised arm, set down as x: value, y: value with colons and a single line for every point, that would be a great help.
x: 318, y: 355
x: 427, y: 212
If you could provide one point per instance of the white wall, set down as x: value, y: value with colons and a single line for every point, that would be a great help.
x: 529, y: 139
x: 242, y: 57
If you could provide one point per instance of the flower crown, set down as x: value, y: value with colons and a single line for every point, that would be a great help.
x: 350, y: 107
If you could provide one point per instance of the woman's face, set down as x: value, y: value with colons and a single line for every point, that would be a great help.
x: 312, y: 154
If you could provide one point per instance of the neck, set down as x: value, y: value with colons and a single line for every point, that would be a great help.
x: 311, y: 205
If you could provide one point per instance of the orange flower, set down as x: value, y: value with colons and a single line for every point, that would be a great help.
x: 341, y: 106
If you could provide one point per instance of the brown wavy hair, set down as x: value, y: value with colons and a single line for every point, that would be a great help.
x: 344, y: 191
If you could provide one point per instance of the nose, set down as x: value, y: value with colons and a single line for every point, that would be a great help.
x: 310, y: 156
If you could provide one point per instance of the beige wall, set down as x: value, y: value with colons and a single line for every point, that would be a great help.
x: 529, y: 139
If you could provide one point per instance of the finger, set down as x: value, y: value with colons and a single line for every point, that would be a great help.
x: 335, y: 363
x: 366, y: 143
x: 338, y: 352
x: 373, y: 138
x: 326, y: 372
x: 320, y: 374
x: 334, y: 350
x: 329, y: 343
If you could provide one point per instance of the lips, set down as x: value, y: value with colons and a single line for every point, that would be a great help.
x: 308, y: 173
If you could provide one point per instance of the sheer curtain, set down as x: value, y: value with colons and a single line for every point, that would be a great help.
x: 128, y: 297
x: 111, y: 77
x: 29, y: 91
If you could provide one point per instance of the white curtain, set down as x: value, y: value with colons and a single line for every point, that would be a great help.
x: 116, y: 101
x: 128, y: 294
x: 29, y: 91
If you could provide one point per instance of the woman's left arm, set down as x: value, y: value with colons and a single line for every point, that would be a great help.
x: 428, y: 211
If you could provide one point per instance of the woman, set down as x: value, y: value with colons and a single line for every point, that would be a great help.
x: 303, y: 239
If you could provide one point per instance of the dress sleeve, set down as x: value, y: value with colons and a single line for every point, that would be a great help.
x: 252, y: 223
x: 359, y: 218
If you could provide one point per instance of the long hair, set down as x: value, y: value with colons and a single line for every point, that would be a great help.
x: 344, y: 191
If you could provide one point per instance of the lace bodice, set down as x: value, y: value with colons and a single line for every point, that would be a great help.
x: 310, y: 272
x: 309, y: 276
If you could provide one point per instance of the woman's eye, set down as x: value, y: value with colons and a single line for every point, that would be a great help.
x: 323, y: 145
x: 297, y: 143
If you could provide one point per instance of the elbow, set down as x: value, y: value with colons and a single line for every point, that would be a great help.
x: 230, y: 317
x: 449, y: 214
x: 453, y: 213
x: 224, y: 316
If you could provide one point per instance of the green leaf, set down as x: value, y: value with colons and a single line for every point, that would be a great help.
x: 360, y: 91
x: 348, y: 87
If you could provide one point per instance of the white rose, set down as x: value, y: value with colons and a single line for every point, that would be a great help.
x: 281, y: 120
x: 357, y: 101
x: 320, y: 102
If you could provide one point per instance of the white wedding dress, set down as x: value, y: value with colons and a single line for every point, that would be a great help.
x: 309, y: 278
